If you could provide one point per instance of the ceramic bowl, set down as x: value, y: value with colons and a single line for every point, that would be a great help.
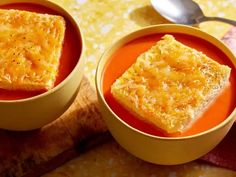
x: 156, y: 149
x: 37, y: 111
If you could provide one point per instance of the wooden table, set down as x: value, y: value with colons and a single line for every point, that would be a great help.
x: 103, y: 22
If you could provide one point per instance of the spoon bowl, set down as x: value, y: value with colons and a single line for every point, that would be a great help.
x: 185, y: 12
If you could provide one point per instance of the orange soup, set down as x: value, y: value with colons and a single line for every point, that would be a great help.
x: 70, y: 52
x: 124, y: 57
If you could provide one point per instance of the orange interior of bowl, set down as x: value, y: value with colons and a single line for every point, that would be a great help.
x: 70, y: 52
x: 125, y: 56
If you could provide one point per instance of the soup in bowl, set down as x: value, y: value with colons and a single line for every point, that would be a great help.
x: 42, y: 65
x: 165, y: 113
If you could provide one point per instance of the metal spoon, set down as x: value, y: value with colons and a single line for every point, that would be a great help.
x: 185, y: 12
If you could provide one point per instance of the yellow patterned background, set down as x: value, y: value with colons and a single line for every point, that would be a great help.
x: 102, y: 22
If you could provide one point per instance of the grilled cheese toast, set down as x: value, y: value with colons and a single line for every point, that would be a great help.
x: 170, y: 85
x: 30, y: 49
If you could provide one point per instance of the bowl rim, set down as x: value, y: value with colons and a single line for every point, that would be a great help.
x: 62, y: 12
x: 99, y: 75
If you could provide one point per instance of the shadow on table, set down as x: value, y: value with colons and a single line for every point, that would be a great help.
x: 146, y: 15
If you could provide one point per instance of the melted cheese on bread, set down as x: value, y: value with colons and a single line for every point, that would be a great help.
x: 30, y: 49
x: 170, y: 85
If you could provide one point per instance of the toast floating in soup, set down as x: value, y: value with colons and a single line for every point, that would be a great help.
x: 30, y: 49
x: 170, y: 85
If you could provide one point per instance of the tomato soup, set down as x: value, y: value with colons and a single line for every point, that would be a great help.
x: 124, y: 57
x: 70, y: 52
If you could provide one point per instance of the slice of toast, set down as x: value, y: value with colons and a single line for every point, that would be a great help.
x: 170, y: 85
x: 30, y: 49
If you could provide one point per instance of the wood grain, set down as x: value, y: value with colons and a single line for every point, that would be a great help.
x: 35, y: 152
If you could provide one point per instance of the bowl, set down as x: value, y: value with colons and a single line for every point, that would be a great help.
x: 37, y: 111
x: 153, y: 148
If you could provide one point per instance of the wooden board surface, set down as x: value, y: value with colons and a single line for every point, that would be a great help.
x: 35, y: 152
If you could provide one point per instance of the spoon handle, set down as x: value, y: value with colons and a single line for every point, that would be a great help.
x: 232, y: 22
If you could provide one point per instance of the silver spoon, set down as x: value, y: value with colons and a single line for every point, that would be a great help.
x: 185, y: 12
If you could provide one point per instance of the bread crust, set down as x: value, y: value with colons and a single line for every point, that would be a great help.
x: 30, y: 49
x: 170, y: 85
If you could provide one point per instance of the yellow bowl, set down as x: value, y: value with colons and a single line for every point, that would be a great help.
x: 155, y: 149
x: 35, y: 112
